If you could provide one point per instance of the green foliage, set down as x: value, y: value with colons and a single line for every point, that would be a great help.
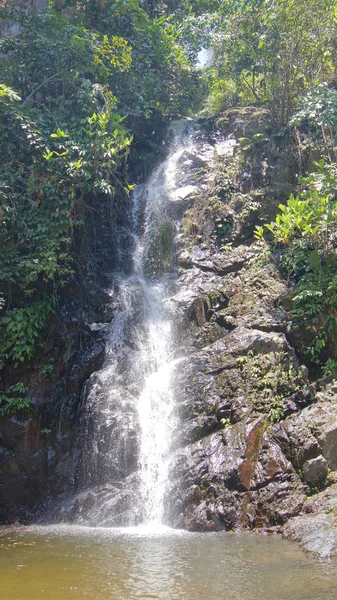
x: 306, y: 227
x: 318, y: 106
x: 270, y: 52
x: 258, y: 232
x: 20, y: 328
x: 310, y: 215
x: 270, y: 379
x: 224, y: 227
x: 223, y: 95
x: 318, y: 110
x: 12, y: 404
x: 162, y: 77
x: 330, y: 367
x: 7, y: 94
x: 9, y: 406
x: 48, y: 371
x: 45, y: 431
x: 315, y: 305
x: 19, y: 388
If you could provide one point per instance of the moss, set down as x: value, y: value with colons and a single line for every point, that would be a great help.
x: 269, y: 379
x: 261, y: 259
x: 190, y: 227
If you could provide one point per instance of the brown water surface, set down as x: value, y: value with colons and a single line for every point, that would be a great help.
x: 74, y: 563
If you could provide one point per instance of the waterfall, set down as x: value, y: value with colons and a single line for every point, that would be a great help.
x: 129, y: 406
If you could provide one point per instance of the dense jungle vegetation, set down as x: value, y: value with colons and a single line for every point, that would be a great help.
x: 79, y: 77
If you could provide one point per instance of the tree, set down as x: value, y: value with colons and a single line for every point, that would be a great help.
x: 274, y: 52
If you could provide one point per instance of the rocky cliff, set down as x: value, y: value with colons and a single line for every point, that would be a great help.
x: 257, y: 438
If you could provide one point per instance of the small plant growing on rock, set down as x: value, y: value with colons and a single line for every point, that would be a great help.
x: 15, y: 403
x: 330, y: 367
x: 269, y: 379
x: 45, y: 431
x: 48, y: 371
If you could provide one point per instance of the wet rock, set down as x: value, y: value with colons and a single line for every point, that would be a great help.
x: 231, y: 467
x: 296, y: 441
x: 183, y: 193
x: 208, y: 334
x: 310, y: 433
x: 315, y: 471
x: 191, y: 160
x: 88, y: 361
x: 111, y: 505
x: 307, y: 439
x: 218, y: 263
x: 316, y: 533
x: 324, y: 501
x: 243, y: 479
x: 319, y: 423
x: 189, y: 287
x: 328, y: 441
x: 107, y: 439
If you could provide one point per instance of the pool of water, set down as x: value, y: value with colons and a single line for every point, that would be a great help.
x: 79, y: 563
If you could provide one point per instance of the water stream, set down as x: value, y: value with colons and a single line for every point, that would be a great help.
x: 129, y: 407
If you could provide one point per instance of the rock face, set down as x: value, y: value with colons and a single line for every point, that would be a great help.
x: 311, y: 441
x: 255, y: 439
x: 240, y: 376
x: 316, y: 533
x: 37, y: 458
x: 316, y: 528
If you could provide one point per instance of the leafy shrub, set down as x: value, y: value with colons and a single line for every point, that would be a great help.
x: 12, y: 404
x: 306, y: 228
x: 20, y: 328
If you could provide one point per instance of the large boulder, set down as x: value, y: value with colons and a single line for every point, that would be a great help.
x: 316, y: 529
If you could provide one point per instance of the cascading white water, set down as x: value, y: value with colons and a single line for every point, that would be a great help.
x: 156, y: 401
x: 155, y: 409
x: 129, y: 413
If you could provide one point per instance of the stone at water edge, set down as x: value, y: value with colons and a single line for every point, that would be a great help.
x: 316, y: 533
x: 315, y: 471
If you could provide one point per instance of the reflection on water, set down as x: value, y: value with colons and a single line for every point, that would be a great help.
x: 99, y: 564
